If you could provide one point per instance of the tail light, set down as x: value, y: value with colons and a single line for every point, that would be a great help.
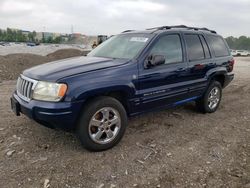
x: 231, y: 65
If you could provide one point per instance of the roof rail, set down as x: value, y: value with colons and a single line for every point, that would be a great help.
x: 127, y: 31
x: 181, y: 26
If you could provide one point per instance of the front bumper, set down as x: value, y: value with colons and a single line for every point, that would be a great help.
x: 61, y: 115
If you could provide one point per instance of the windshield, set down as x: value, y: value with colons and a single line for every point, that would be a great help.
x: 124, y: 46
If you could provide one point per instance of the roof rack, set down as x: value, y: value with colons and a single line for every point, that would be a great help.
x: 127, y: 31
x: 181, y: 27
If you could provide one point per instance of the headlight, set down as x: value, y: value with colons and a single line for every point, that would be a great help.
x: 47, y: 91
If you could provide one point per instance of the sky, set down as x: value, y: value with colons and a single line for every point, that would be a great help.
x: 92, y: 17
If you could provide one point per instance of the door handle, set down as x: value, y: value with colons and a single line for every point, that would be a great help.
x: 212, y: 64
x: 180, y: 70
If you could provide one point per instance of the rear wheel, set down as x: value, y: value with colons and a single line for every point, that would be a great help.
x: 211, y: 99
x: 102, y: 124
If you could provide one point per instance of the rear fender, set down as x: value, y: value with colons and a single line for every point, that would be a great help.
x: 212, y: 73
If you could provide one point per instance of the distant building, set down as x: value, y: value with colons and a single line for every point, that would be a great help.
x: 77, y: 35
x: 65, y: 37
x: 47, y: 35
x: 55, y: 35
x: 76, y: 38
x: 14, y: 29
x: 39, y: 36
x: 24, y: 32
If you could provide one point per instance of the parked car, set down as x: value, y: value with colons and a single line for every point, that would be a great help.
x: 129, y: 74
x: 31, y: 44
x: 5, y: 44
x: 242, y: 53
x: 233, y: 52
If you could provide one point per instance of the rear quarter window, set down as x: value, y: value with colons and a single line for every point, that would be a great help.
x: 218, y: 45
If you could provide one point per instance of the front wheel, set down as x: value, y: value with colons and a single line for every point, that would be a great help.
x: 102, y: 124
x: 211, y: 99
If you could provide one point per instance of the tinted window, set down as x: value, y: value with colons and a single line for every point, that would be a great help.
x: 170, y: 47
x: 218, y: 46
x: 194, y: 47
x: 205, y: 47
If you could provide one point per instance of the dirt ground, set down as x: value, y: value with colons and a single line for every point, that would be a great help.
x: 12, y: 64
x: 172, y: 148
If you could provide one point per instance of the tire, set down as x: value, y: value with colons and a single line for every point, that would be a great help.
x: 102, y: 124
x: 210, y: 101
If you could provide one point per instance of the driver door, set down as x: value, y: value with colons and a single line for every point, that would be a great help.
x: 165, y: 84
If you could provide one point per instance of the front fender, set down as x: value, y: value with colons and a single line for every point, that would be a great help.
x: 127, y: 90
x: 121, y: 79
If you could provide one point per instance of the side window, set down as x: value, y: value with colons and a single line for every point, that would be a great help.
x: 219, y: 46
x: 205, y: 47
x: 170, y: 47
x: 194, y: 47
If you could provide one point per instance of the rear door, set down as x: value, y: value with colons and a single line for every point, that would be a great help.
x: 199, y: 62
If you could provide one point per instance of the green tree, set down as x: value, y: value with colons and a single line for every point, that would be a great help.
x: 34, y: 35
x: 30, y: 37
x: 1, y: 35
x: 231, y: 42
x: 19, y: 36
x: 49, y: 40
x: 241, y: 43
x: 57, y: 40
x: 9, y: 36
x: 4, y: 36
x: 14, y: 35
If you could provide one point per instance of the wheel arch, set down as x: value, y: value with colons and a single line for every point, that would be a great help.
x: 219, y: 78
x: 217, y: 75
x: 120, y: 93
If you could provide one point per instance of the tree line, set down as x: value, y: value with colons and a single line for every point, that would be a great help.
x: 241, y: 43
x: 18, y: 36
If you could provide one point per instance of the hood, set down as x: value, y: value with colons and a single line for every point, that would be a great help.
x: 59, y: 69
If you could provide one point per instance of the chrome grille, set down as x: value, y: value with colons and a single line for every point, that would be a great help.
x: 25, y: 87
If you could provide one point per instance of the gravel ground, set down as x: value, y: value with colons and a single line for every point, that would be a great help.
x: 172, y: 148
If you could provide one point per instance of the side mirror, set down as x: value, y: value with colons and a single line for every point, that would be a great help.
x: 155, y: 60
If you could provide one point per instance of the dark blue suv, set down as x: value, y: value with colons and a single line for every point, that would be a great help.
x: 130, y: 73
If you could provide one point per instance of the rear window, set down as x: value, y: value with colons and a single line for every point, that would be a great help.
x: 219, y: 46
x: 194, y: 47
